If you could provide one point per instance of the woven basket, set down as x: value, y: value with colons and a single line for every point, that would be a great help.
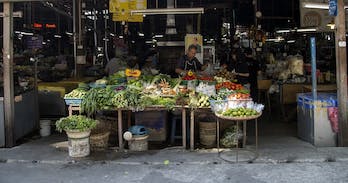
x: 238, y: 118
x: 99, y: 142
x: 103, y: 125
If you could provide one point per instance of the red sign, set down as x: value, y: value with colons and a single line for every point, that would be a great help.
x: 37, y: 25
x: 51, y: 26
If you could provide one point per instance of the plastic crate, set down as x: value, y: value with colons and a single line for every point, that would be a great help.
x: 94, y: 85
x: 73, y: 101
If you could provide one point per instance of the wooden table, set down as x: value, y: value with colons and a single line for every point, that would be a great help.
x: 321, y: 88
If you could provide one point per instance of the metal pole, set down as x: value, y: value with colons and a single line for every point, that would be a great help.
x: 95, y: 33
x: 8, y: 73
x: 74, y: 37
x: 199, y: 17
x: 341, y: 70
x: 314, y: 68
x: 105, y: 35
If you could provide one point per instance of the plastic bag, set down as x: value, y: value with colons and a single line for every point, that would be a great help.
x: 296, y: 65
x: 333, y: 117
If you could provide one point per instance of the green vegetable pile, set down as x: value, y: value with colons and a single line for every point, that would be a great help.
x: 119, y: 100
x: 240, y: 112
x: 97, y: 99
x: 117, y: 78
x: 222, y: 94
x: 198, y: 100
x: 78, y: 93
x: 135, y: 101
x: 168, y: 103
x: 230, y: 137
x: 80, y: 123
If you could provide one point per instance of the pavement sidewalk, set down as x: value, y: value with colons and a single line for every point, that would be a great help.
x: 271, y: 150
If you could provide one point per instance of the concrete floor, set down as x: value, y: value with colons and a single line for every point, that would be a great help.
x: 272, y: 149
x: 173, y: 173
x: 281, y: 159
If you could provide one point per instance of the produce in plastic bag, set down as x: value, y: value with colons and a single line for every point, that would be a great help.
x: 231, y: 137
x: 296, y: 65
x: 333, y: 116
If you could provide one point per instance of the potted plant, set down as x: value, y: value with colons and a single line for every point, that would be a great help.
x: 78, y: 129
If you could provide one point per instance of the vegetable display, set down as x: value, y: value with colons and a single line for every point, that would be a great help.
x: 189, y: 76
x: 117, y: 78
x: 133, y: 73
x: 135, y: 102
x: 225, y: 74
x: 198, y: 100
x: 240, y: 112
x: 136, y: 93
x: 119, y: 100
x: 97, y: 99
x: 229, y: 85
x: 80, y: 123
x: 76, y: 94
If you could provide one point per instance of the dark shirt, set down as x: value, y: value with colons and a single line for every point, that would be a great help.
x: 185, y: 64
x: 253, y: 69
x: 242, y: 68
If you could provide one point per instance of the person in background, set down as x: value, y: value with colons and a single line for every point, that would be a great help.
x: 114, y: 65
x: 241, y: 69
x: 196, y: 43
x: 254, y: 70
x: 132, y: 62
x: 188, y: 62
x: 62, y: 63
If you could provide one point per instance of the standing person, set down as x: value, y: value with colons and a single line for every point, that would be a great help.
x: 241, y: 69
x: 254, y: 70
x: 188, y: 62
x: 114, y: 65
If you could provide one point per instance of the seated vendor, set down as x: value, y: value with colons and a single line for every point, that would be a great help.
x: 188, y: 62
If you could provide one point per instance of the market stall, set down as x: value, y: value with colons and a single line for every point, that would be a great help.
x: 130, y: 91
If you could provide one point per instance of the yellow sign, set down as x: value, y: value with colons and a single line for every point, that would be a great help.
x: 137, y: 5
x: 121, y: 10
x: 113, y: 6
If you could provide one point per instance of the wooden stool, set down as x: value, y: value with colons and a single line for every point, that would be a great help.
x: 74, y: 107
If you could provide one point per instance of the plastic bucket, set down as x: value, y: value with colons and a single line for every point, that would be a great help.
x: 139, y: 143
x: 78, y: 143
x: 45, y: 128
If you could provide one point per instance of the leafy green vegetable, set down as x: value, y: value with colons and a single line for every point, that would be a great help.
x: 97, y: 99
x: 76, y: 93
x: 80, y: 123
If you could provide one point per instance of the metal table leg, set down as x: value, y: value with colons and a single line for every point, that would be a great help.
x: 192, y: 130
x: 237, y: 141
x: 120, y: 130
x: 218, y: 134
x: 183, y: 116
x: 237, y: 149
x: 256, y: 137
x: 244, y: 133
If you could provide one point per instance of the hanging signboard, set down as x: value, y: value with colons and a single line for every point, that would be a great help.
x: 121, y: 10
x: 34, y: 42
x: 333, y: 7
x: 137, y: 5
x: 196, y: 40
x: 113, y: 6
x: 317, y: 18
